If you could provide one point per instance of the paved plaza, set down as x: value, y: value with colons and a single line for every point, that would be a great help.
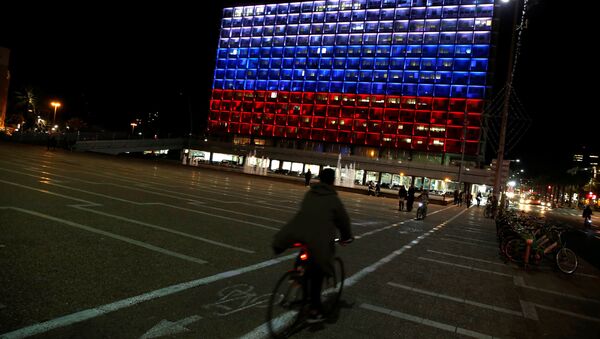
x: 95, y: 246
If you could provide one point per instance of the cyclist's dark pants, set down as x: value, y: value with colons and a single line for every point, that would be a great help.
x: 315, y: 282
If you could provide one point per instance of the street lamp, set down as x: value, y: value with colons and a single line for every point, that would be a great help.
x: 56, y: 105
x: 133, y: 125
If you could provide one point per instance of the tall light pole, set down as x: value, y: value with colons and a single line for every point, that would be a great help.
x: 511, y: 59
x: 56, y: 105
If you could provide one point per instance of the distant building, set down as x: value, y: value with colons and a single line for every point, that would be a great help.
x: 4, y: 81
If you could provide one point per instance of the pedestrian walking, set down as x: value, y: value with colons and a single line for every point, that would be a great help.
x: 307, y: 177
x: 478, y: 198
x: 410, y: 198
x: 402, y: 194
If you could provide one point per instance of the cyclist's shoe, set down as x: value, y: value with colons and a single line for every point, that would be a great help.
x: 315, y: 317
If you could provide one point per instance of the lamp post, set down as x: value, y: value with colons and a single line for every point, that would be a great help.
x: 133, y: 125
x: 56, y: 105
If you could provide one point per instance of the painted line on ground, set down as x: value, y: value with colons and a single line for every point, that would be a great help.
x: 465, y: 267
x: 125, y: 303
x: 468, y: 258
x: 491, y: 243
x: 520, y: 281
x: 425, y: 321
x: 467, y: 243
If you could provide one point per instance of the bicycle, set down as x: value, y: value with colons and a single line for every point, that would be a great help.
x: 288, y: 305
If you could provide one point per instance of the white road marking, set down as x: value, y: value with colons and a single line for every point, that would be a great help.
x: 108, y: 234
x: 491, y: 243
x: 469, y: 258
x: 170, y: 328
x: 466, y: 267
x: 132, y: 301
x: 467, y: 243
x: 520, y: 281
x: 424, y: 321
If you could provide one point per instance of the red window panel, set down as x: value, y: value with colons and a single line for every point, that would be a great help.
x: 363, y: 100
x: 456, y: 119
x: 475, y: 106
x: 266, y: 130
x: 269, y: 119
x: 405, y: 129
x: 321, y: 98
x: 247, y: 106
x: 308, y: 97
x: 373, y: 139
x: 345, y: 137
x: 260, y: 96
x: 283, y: 97
x: 316, y: 134
x: 257, y: 118
x: 246, y: 117
x: 348, y: 99
x: 306, y: 121
x: 279, y: 131
x: 335, y: 99
x: 271, y: 96
x: 217, y: 94
x: 238, y: 95
x: 346, y: 124
x: 225, y: 105
x: 360, y: 125
x: 407, y: 115
x: 453, y: 146
x: 296, y: 97
x: 437, y: 131
x: 388, y: 140
x: 281, y: 108
x: 374, y: 126
x: 214, y: 115
x: 294, y: 109
x: 471, y: 147
x: 378, y: 101
x: 404, y: 142
x: 259, y: 106
x: 304, y: 133
x: 439, y: 118
x: 422, y: 117
x: 454, y: 133
x: 390, y: 127
x: 457, y: 105
x: 269, y: 107
x: 421, y: 130
x: 293, y: 120
x: 291, y: 132
x: 376, y: 113
x: 307, y: 109
x: 280, y: 119
x: 424, y: 103
x: 436, y: 144
x: 391, y: 114
x: 360, y: 138
x: 333, y: 111
x: 332, y: 123
x: 320, y: 110
x: 392, y: 102
x: 215, y: 104
x: 361, y: 113
x: 330, y: 135
x: 318, y: 122
x: 440, y: 104
x: 227, y: 95
x: 474, y: 119
x: 236, y: 106
x: 245, y: 129
x: 408, y: 102
x: 235, y: 116
x: 473, y: 134
x: 248, y: 96
x: 233, y: 127
x: 347, y: 112
x: 419, y: 144
x: 255, y: 129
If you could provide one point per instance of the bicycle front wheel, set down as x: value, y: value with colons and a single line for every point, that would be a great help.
x: 566, y: 260
x: 332, y: 287
x: 285, y: 305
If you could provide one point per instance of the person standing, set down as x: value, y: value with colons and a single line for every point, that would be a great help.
x: 478, y: 198
x: 410, y: 198
x: 402, y: 193
x: 307, y: 177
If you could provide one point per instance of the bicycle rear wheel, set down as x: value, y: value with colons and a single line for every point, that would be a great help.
x: 566, y: 260
x: 286, y: 304
x: 332, y: 287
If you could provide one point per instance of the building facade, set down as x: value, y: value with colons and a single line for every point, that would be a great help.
x: 4, y: 82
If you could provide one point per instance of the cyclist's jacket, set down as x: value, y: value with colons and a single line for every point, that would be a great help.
x: 321, y: 212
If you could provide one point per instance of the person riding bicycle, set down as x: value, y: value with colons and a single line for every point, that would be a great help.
x: 587, y: 214
x: 314, y: 225
x: 424, y: 199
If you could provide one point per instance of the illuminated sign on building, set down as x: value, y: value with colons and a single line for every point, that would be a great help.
x: 396, y: 73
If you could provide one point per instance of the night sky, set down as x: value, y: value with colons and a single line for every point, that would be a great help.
x: 110, y: 63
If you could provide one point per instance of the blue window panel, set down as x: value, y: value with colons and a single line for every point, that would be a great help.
x: 413, y: 63
x: 282, y: 8
x: 427, y: 77
x: 447, y: 38
x: 477, y: 78
x: 450, y: 11
x: 397, y: 63
x: 281, y: 20
x: 311, y: 74
x: 349, y: 87
x: 263, y: 74
x: 337, y: 75
x: 466, y: 24
x: 274, y: 74
x: 290, y: 40
x: 247, y: 31
x: 341, y: 39
x: 369, y: 39
x: 339, y: 63
x: 382, y: 51
x: 293, y: 19
x: 386, y: 14
x: 394, y: 89
x: 289, y: 51
x: 272, y: 85
x: 343, y: 28
x: 294, y: 8
x: 219, y: 73
x: 466, y: 11
x: 411, y: 76
x: 417, y: 13
x: 301, y: 51
x: 231, y: 63
x: 431, y: 38
x: 384, y: 38
x: 446, y: 51
x: 229, y: 84
x: 222, y: 63
x: 351, y: 75
x: 223, y: 43
x: 299, y: 74
x: 249, y: 84
x: 254, y: 52
x: 340, y: 50
x: 268, y: 31
x: 314, y: 51
x: 434, y: 12
x: 364, y: 87
x: 384, y: 26
x: 464, y: 38
x: 401, y: 26
x: 218, y: 84
x: 416, y: 26
x: 354, y: 51
x: 451, y: 2
x: 328, y: 40
x: 428, y: 64
x: 425, y: 90
x: 331, y: 17
x: 409, y: 89
x: 476, y: 92
x: 245, y: 42
x: 432, y: 25
x: 269, y: 20
x: 443, y: 77
x: 326, y: 63
x: 318, y: 17
x: 414, y: 50
x: 306, y: 7
x: 291, y: 29
x: 482, y: 37
x: 367, y: 63
x: 388, y: 3
x: 240, y: 74
x: 326, y: 51
x: 230, y: 74
x: 302, y: 40
x: 256, y: 42
x: 398, y: 51
x: 236, y: 22
x: 484, y: 11
x: 430, y: 50
x: 358, y: 15
x: 277, y: 52
x: 312, y: 62
x: 460, y: 78
x: 315, y: 40
x: 372, y: 14
x: 448, y: 25
x: 442, y: 91
x: 310, y: 86
x: 258, y: 20
x: 263, y: 63
x: 402, y: 14
x: 380, y: 76
x: 365, y: 75
x: 458, y: 91
x: 479, y: 65
x: 243, y: 53
x: 222, y: 53
x: 297, y: 86
x: 353, y: 63
x: 463, y: 51
x: 368, y: 51
x: 324, y: 74
x: 481, y: 51
x: 336, y: 86
x: 267, y: 41
x: 395, y: 76
x: 286, y: 74
x: 288, y: 62
x: 382, y: 63
x: 270, y: 9
x: 379, y: 88
x: 344, y: 16
x: 461, y: 64
x: 444, y: 64
x: 323, y: 86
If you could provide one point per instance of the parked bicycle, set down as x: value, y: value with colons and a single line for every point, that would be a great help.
x: 289, y: 303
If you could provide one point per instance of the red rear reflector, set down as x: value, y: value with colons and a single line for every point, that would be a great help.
x: 303, y: 256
